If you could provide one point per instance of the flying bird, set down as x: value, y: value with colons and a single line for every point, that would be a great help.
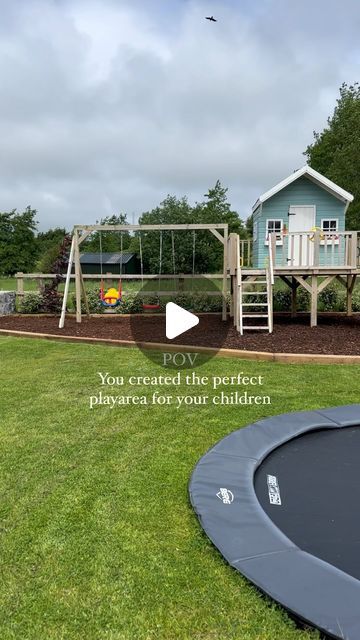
x: 211, y: 18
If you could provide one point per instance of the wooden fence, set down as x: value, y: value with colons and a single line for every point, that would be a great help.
x: 178, y: 280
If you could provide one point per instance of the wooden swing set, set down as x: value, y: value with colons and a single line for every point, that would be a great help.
x: 113, y: 297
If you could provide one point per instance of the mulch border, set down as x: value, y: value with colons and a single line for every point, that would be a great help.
x: 287, y: 358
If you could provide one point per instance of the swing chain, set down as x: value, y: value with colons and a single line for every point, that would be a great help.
x: 193, y: 259
x: 160, y: 259
x: 101, y: 256
x: 141, y: 261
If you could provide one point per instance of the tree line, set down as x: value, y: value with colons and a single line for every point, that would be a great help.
x: 22, y: 249
x: 334, y: 152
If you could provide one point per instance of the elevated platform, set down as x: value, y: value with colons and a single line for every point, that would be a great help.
x: 314, y: 280
x: 311, y: 260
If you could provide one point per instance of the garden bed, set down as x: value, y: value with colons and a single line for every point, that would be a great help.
x: 335, y: 333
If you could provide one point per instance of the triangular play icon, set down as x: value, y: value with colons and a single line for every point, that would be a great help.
x: 178, y: 320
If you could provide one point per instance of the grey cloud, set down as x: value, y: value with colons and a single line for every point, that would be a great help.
x: 110, y: 106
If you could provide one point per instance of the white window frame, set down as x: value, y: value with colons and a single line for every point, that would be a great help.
x: 336, y: 230
x: 256, y: 230
x: 281, y: 220
x: 330, y: 220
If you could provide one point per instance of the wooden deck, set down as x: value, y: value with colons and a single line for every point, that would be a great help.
x: 311, y: 260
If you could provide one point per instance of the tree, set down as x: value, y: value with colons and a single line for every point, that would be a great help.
x: 51, y: 300
x: 208, y: 250
x: 17, y: 241
x: 335, y: 151
x: 216, y: 209
x: 171, y: 211
x: 48, y: 244
x: 249, y: 224
x: 50, y: 238
x: 110, y: 240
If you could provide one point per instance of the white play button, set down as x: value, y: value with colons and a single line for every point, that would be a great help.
x: 178, y: 320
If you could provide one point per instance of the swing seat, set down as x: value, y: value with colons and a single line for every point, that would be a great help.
x: 111, y: 298
x: 151, y: 307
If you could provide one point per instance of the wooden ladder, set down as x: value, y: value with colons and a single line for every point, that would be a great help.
x: 255, y: 300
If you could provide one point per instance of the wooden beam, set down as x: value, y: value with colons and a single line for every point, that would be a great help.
x: 353, y: 283
x: 314, y: 301
x: 148, y: 227
x: 125, y: 276
x: 351, y: 280
x: 232, y: 298
x: 77, y: 278
x: 303, y: 283
x: 232, y: 252
x: 270, y: 293
x: 67, y: 283
x: 325, y: 283
x: 354, y: 249
x: 294, y: 288
x: 84, y: 235
x: 287, y: 281
x: 341, y: 279
x: 84, y: 293
x: 225, y: 266
x: 217, y: 235
x: 20, y: 283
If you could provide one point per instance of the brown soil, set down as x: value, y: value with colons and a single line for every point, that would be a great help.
x: 335, y: 333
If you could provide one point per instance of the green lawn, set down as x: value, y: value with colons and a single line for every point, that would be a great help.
x: 98, y: 540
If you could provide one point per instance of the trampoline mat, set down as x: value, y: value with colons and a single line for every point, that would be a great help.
x: 314, y: 480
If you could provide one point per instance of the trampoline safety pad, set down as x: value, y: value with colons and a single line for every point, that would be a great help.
x: 280, y: 500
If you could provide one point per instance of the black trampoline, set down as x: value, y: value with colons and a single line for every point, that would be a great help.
x: 280, y: 499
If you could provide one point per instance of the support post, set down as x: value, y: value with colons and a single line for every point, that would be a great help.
x: 225, y: 265
x: 314, y: 301
x: 231, y: 297
x: 20, y: 283
x: 294, y: 288
x: 350, y: 283
x: 77, y: 278
x: 348, y: 296
x: 84, y: 294
x: 316, y: 248
x: 354, y: 249
x: 67, y: 283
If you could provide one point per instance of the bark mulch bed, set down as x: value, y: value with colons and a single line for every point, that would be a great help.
x: 335, y: 334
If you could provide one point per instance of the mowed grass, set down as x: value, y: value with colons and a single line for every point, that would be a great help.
x: 98, y: 539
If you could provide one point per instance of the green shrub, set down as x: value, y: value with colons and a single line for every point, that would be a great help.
x: 303, y: 299
x: 31, y: 303
x: 93, y: 298
x: 131, y: 303
x: 329, y: 299
x: 183, y: 300
x: 282, y: 300
x: 356, y: 301
x: 208, y: 304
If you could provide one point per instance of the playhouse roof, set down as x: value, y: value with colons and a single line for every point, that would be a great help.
x: 313, y: 175
x: 107, y: 258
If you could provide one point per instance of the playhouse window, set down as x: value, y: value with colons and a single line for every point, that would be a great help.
x: 330, y: 226
x: 273, y: 226
x: 255, y: 231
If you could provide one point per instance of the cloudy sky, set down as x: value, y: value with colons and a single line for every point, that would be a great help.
x: 109, y: 105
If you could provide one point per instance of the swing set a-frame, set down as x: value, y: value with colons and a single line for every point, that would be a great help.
x: 81, y: 232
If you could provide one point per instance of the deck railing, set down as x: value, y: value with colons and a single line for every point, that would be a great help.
x: 315, y: 249
x: 272, y: 247
x: 245, y: 247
